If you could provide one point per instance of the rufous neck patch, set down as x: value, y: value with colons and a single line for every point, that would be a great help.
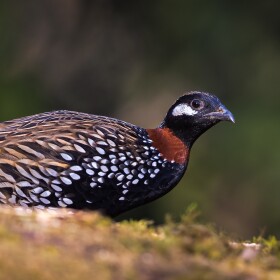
x: 170, y: 146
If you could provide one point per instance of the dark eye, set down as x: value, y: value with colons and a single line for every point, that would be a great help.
x: 197, y: 104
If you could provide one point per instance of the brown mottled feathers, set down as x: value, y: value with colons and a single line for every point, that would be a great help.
x: 39, y: 154
x: 53, y: 133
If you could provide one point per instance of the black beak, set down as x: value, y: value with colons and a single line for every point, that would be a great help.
x: 222, y: 114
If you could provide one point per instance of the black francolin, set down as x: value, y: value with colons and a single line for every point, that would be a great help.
x: 83, y: 161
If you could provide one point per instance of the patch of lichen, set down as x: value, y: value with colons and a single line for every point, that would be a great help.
x: 83, y: 245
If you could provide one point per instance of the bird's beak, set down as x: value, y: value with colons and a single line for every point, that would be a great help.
x: 222, y: 114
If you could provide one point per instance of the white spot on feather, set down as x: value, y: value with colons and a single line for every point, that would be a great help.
x: 37, y: 190
x: 20, y: 192
x: 67, y: 201
x: 56, y: 182
x: 102, y: 143
x: 90, y: 172
x: 91, y: 142
x: 61, y: 204
x: 79, y: 148
x: 66, y: 156
x: 111, y: 143
x: 97, y: 158
x: 126, y: 171
x: 46, y: 194
x: 66, y: 181
x: 34, y: 197
x: 104, y: 168
x: 114, y: 168
x: 100, y: 132
x: 52, y: 172
x: 75, y: 176
x: 95, y: 165
x: 100, y: 151
x: 44, y: 200
x: 56, y: 188
x: 24, y: 184
x: 120, y: 177
x: 134, y: 182
x: 76, y: 168
x: 101, y: 180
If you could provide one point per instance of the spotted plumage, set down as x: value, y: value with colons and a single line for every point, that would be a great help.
x: 83, y: 161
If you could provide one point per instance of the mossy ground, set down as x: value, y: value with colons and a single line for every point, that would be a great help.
x: 83, y: 245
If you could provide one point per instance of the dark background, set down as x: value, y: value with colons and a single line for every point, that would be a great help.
x: 132, y: 59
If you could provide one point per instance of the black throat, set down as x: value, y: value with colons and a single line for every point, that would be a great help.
x: 189, y: 132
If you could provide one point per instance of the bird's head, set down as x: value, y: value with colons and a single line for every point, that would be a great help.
x: 194, y: 113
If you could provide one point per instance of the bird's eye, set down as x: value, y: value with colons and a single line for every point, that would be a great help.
x: 197, y: 104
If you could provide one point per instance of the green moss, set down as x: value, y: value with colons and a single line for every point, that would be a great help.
x: 84, y: 245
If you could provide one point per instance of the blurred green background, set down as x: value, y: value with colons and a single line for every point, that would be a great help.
x: 132, y: 59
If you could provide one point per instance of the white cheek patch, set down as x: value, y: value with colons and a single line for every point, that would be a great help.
x: 183, y: 109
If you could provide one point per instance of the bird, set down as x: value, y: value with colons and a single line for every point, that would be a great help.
x: 67, y: 159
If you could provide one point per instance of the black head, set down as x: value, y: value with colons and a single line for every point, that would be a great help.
x: 194, y: 113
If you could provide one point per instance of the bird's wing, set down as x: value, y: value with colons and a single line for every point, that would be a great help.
x: 45, y: 158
